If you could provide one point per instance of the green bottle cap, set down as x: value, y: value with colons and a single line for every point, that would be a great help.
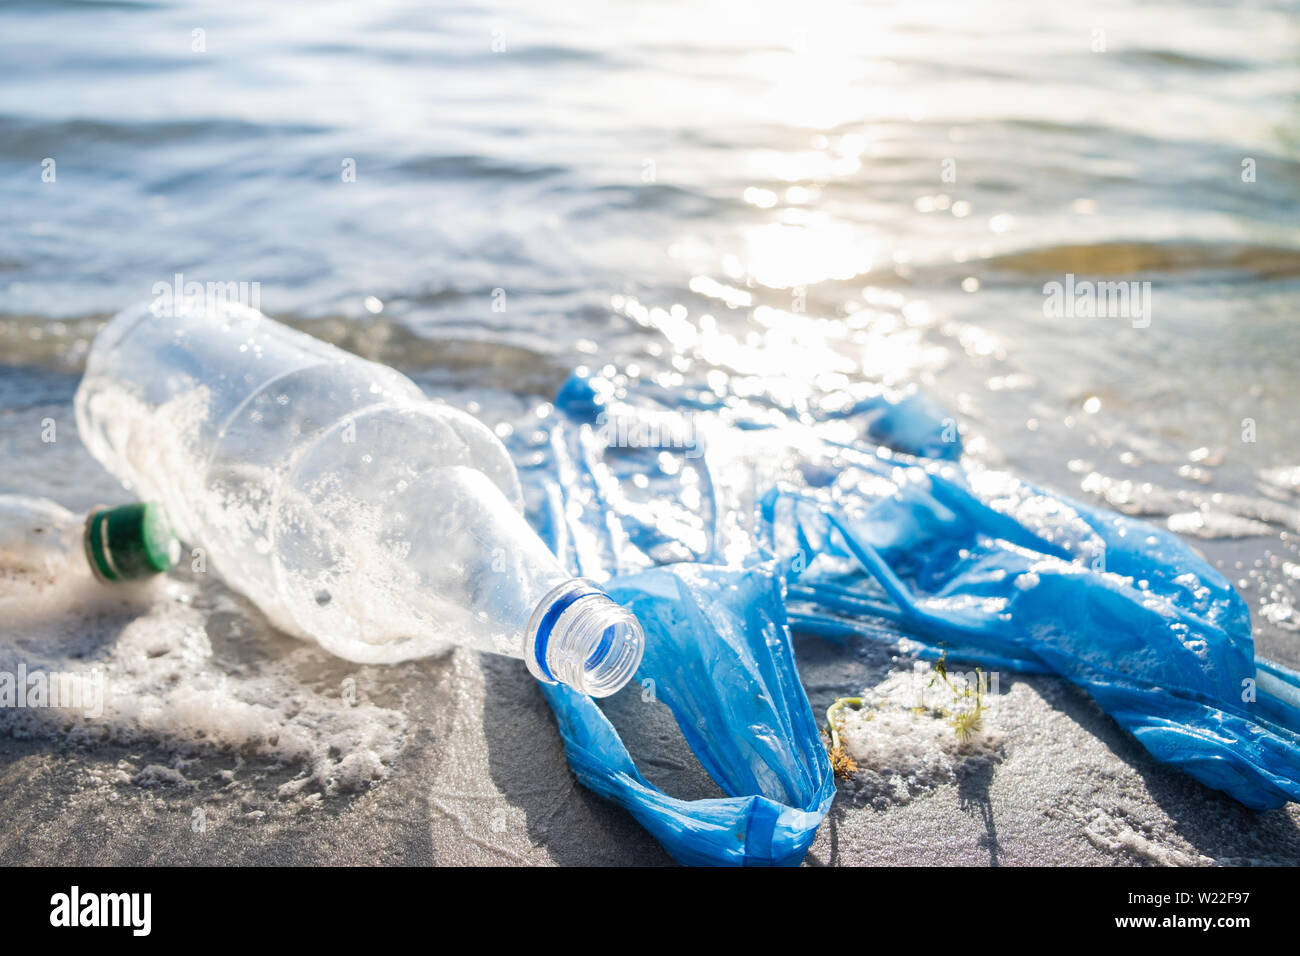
x: 130, y: 542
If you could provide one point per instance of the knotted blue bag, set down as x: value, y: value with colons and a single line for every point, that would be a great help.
x: 722, y: 521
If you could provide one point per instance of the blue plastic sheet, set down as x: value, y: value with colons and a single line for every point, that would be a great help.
x: 718, y: 653
x: 1010, y: 576
x: 724, y: 520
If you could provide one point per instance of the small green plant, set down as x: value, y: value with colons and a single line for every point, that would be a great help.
x: 965, y: 714
x: 841, y: 763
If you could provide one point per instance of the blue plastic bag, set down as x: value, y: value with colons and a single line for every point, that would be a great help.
x: 718, y: 653
x: 722, y: 521
x: 1125, y: 610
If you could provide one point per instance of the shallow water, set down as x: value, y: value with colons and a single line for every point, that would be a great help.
x: 802, y: 195
x: 809, y: 193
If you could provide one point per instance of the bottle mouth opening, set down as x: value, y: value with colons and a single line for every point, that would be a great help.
x: 579, y: 636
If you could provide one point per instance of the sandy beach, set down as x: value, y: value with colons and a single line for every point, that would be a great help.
x: 786, y: 204
x: 225, y: 742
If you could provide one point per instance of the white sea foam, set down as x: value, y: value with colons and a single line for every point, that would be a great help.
x: 163, y: 684
x: 904, y: 744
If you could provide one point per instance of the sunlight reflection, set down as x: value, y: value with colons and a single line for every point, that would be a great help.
x: 783, y: 255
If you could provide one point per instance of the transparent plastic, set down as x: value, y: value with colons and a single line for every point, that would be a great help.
x: 351, y: 509
x: 40, y: 538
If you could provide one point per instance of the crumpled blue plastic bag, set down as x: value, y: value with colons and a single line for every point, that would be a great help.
x: 1007, y: 575
x: 723, y: 520
x: 718, y: 652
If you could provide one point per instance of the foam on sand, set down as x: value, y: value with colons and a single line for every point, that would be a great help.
x: 906, y: 737
x: 150, y: 647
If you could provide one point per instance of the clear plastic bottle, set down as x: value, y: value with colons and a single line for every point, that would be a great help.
x: 40, y: 538
x: 331, y: 492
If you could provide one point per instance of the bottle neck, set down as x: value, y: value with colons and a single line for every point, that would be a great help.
x: 579, y: 636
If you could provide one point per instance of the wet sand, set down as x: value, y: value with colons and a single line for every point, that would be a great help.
x: 479, y: 778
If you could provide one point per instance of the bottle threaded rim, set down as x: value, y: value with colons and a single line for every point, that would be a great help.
x: 580, y: 636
